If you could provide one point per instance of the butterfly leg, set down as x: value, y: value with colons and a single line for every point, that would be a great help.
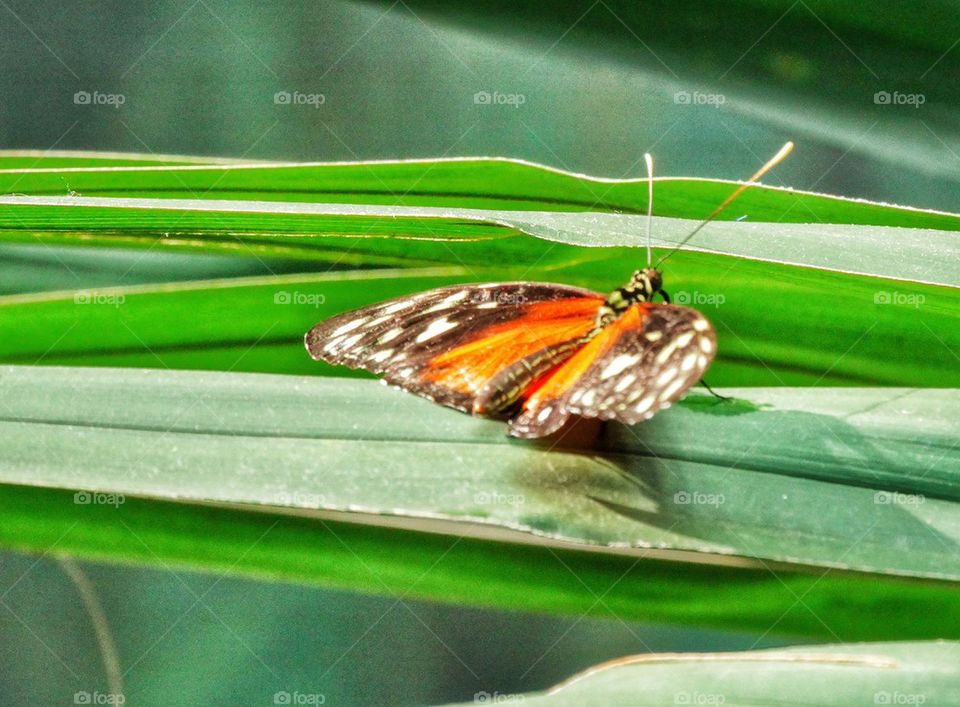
x: 714, y: 393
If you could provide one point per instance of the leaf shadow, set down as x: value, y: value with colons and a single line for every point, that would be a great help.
x: 781, y: 482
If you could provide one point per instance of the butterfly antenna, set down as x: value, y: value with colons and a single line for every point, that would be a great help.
x: 649, y: 160
x: 771, y: 163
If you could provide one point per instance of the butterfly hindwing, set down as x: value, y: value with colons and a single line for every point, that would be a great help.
x: 446, y: 344
x: 639, y: 364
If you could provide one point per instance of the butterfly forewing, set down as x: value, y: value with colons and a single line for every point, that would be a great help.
x: 639, y: 364
x: 446, y: 344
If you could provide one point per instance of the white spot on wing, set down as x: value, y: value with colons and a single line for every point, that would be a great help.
x: 654, y: 335
x: 665, y: 353
x: 396, y: 307
x: 348, y: 342
x: 689, y: 362
x: 677, y: 343
x: 390, y: 335
x: 683, y: 339
x: 437, y: 327
x: 618, y: 365
x: 665, y: 377
x: 625, y: 382
x: 646, y: 403
x: 706, y: 345
x: 349, y: 326
x: 674, y: 388
x: 448, y: 302
x: 701, y: 324
x: 455, y: 297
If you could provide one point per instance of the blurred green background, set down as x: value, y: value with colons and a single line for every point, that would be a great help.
x: 707, y: 87
x: 711, y: 89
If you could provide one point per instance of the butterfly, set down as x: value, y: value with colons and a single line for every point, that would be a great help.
x: 534, y: 353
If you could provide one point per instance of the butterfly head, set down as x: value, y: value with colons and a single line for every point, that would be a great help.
x: 644, y: 285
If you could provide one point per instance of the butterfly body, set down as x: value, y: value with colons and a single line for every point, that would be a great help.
x: 534, y: 353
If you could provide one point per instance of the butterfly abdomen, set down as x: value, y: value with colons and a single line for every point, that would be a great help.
x: 502, y: 392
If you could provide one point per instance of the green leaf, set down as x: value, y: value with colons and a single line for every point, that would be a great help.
x: 747, y: 478
x: 462, y: 182
x: 41, y: 267
x: 466, y: 235
x: 777, y: 325
x: 853, y: 674
x: 790, y: 493
x: 382, y: 487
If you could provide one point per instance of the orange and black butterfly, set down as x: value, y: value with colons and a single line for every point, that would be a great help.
x: 534, y: 353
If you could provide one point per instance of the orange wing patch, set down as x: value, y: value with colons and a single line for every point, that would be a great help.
x: 468, y: 367
x: 558, y: 381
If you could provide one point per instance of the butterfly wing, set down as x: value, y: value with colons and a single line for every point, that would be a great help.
x: 639, y: 364
x: 447, y: 344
